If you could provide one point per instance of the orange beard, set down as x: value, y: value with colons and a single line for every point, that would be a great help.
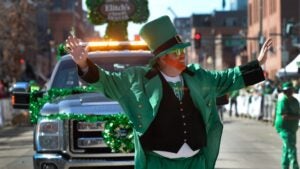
x: 174, y: 63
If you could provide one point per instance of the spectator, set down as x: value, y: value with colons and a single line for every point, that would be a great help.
x: 233, y: 101
x: 28, y: 74
x: 266, y: 100
x: 2, y: 89
x: 286, y: 124
x: 221, y: 101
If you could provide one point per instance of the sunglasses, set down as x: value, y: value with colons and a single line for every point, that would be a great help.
x: 178, y: 52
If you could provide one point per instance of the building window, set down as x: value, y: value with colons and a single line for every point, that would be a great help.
x: 250, y: 14
x: 274, y: 35
x: 232, y: 22
x: 272, y: 7
x: 255, y: 11
x: 265, y: 8
x: 57, y: 4
x: 207, y: 22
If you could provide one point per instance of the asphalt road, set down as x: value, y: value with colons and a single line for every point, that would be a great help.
x: 246, y: 144
x: 16, y: 148
x: 249, y: 144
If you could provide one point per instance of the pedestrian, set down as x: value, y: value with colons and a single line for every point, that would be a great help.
x: 267, y: 105
x: 172, y: 106
x: 286, y: 124
x: 233, y: 101
x: 220, y: 102
x: 2, y: 89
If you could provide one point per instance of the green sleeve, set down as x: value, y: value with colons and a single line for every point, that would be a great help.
x: 111, y: 84
x: 237, y: 77
x: 281, y: 106
x: 227, y: 80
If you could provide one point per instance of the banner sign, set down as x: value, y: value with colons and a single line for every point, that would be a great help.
x: 117, y: 10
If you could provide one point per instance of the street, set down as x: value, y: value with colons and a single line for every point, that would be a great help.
x: 246, y: 144
x: 16, y: 148
x: 249, y: 144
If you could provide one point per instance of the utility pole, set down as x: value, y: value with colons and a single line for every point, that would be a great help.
x: 260, y: 34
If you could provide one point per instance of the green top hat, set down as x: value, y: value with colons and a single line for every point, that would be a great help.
x: 287, y: 85
x: 161, y: 36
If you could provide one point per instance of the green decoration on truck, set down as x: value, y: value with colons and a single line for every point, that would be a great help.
x: 118, y: 131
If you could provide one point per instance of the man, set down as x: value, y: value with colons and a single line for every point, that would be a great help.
x: 233, y: 101
x: 172, y: 106
x: 286, y: 124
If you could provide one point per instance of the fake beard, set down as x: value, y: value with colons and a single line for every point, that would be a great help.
x: 175, y: 64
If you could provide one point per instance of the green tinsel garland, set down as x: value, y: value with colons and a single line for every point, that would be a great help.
x: 61, y: 51
x: 118, y: 132
x: 38, y: 99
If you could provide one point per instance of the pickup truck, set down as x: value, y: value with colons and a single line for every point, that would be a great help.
x: 67, y: 143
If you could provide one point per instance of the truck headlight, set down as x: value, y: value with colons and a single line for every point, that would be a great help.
x: 49, y: 135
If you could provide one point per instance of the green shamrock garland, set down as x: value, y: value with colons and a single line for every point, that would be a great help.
x: 118, y: 132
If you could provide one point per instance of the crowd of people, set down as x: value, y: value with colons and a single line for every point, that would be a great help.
x: 258, y: 101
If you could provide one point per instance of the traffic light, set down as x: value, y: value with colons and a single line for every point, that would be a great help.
x: 21, y: 61
x: 197, y: 40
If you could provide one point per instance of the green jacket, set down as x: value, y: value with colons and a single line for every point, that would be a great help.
x: 234, y: 94
x: 139, y: 91
x: 287, y: 106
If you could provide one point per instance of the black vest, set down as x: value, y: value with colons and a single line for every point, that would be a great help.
x: 176, y: 122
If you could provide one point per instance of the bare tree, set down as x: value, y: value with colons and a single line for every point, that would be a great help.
x: 17, y: 36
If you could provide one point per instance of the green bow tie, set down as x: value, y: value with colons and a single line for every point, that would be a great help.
x: 177, y: 89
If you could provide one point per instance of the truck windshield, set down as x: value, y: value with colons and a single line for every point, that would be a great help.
x: 66, y: 75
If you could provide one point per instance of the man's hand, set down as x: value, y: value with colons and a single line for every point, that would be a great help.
x: 263, y: 51
x: 78, y: 52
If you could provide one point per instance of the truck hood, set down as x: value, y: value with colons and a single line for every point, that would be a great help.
x: 84, y: 103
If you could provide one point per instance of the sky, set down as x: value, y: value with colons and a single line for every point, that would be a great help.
x: 182, y: 8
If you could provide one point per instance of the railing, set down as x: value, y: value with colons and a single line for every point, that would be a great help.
x: 5, y: 111
x: 257, y: 106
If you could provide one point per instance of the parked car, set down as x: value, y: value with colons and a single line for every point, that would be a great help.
x: 74, y: 144
x: 20, y: 91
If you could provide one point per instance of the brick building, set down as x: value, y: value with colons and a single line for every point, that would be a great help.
x: 55, y: 21
x: 220, y: 38
x: 65, y: 14
x: 269, y: 18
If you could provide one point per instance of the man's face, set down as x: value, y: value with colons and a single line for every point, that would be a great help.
x: 288, y: 92
x: 177, y: 55
x: 174, y: 59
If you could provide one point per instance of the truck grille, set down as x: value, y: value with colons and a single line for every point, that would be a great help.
x: 87, y: 138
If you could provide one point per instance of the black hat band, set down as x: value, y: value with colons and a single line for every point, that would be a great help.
x: 168, y: 44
